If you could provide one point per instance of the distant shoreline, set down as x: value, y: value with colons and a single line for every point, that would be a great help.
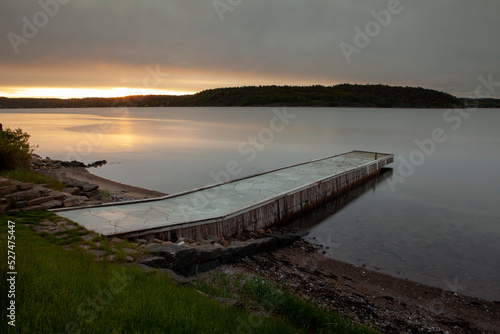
x: 342, y: 96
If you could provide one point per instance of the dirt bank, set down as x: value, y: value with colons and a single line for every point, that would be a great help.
x: 388, y: 303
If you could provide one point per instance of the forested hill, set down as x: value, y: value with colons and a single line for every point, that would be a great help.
x: 344, y: 95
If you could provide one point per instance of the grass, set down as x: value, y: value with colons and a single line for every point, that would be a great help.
x: 269, y: 299
x: 59, y: 291
x: 27, y: 175
x: 105, y: 193
x: 69, y: 292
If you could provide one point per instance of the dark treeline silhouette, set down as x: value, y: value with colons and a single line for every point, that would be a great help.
x: 344, y: 95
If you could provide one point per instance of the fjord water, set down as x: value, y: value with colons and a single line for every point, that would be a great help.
x: 434, y: 219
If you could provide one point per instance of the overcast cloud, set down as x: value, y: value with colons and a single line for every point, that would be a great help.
x: 439, y: 44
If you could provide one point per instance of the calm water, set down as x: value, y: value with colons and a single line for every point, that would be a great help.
x: 435, y: 219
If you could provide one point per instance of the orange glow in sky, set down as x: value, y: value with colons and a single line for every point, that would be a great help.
x: 65, y: 93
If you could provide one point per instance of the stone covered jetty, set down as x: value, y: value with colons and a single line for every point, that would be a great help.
x: 246, y: 204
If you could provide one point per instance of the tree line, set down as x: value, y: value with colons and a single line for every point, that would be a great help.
x: 343, y: 95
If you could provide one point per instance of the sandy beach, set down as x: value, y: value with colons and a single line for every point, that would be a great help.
x: 116, y: 188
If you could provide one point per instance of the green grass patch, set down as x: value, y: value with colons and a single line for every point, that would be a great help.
x: 28, y: 175
x: 105, y: 193
x: 61, y: 291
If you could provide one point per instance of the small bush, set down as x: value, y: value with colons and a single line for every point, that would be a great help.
x: 15, y: 150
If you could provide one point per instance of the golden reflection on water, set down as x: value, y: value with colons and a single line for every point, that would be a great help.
x: 87, y: 133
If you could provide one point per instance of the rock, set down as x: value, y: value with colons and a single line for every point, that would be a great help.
x: 72, y: 191
x: 95, y: 194
x: 282, y: 240
x: 72, y: 183
x: 98, y: 163
x: 264, y: 244
x: 97, y: 252
x: 60, y: 196
x: 212, y: 239
x: 179, y: 258
x: 22, y: 204
x: 115, y: 240
x: 155, y: 262
x: 37, y: 161
x: 26, y: 186
x: 73, y: 163
x: 19, y: 196
x: 156, y: 240
x: 93, y: 202
x: 88, y: 237
x: 207, y: 253
x: 40, y: 200
x: 129, y: 251
x: 8, y: 189
x: 74, y: 201
x: 142, y: 241
x: 89, y: 187
x: 296, y: 234
x: 180, y: 280
x: 47, y: 223
x: 33, y: 208
x: 68, y: 227
x: 40, y: 191
x: 4, y: 182
x: 237, y: 250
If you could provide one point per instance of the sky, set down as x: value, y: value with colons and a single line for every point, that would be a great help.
x: 75, y: 48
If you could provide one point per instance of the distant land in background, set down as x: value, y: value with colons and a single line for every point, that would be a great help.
x: 343, y: 95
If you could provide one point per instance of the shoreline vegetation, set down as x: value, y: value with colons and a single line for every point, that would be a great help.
x: 343, y: 95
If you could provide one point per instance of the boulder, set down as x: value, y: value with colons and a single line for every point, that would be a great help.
x: 8, y: 189
x: 40, y: 200
x: 72, y: 191
x: 4, y: 182
x: 155, y: 262
x: 181, y: 280
x: 74, y: 201
x: 237, y: 250
x: 96, y: 194
x: 179, y: 258
x: 53, y: 204
x: 59, y: 195
x: 89, y: 187
x: 205, y: 253
x: 26, y: 186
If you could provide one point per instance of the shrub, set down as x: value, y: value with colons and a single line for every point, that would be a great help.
x: 15, y: 150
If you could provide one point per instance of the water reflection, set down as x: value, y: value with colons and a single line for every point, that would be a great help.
x: 315, y: 217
